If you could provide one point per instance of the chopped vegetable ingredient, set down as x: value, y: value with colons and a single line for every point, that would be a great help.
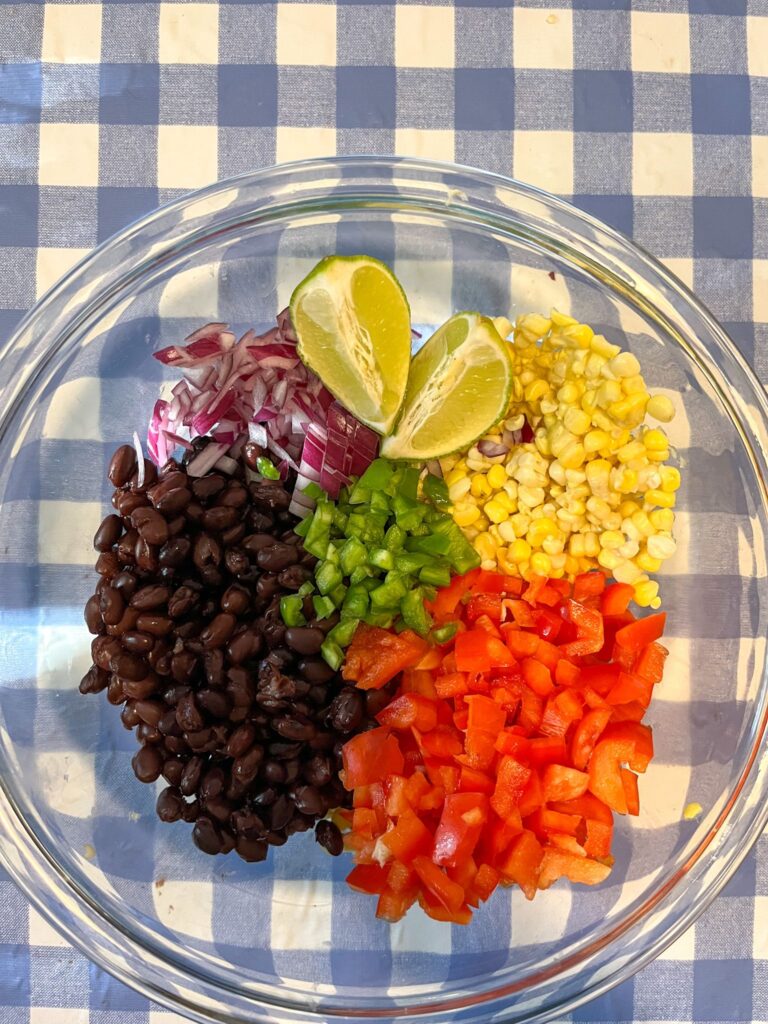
x: 506, y: 750
x: 382, y: 548
x: 589, y: 485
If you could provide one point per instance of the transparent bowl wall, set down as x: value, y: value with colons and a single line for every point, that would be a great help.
x: 286, y: 940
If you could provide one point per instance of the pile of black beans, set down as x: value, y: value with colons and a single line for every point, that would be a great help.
x: 240, y: 716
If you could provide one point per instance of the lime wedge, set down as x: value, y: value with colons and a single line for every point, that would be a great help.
x: 354, y: 328
x: 459, y: 386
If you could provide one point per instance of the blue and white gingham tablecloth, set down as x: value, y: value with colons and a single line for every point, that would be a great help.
x: 651, y: 114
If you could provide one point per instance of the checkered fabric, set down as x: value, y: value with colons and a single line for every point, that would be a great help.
x: 650, y: 114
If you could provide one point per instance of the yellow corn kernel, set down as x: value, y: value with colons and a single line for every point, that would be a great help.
x: 609, y: 559
x: 576, y: 546
x: 629, y: 549
x: 466, y: 514
x: 655, y: 440
x: 506, y: 532
x: 571, y: 565
x: 627, y: 572
x: 485, y: 545
x: 611, y: 539
x: 661, y: 545
x: 642, y: 523
x: 660, y: 498
x: 458, y: 490
x: 455, y: 475
x: 625, y: 365
x: 595, y: 440
x: 691, y: 811
x: 577, y: 421
x: 630, y: 410
x: 553, y: 544
x: 644, y: 561
x: 531, y: 497
x: 480, y: 487
x: 646, y: 593
x: 633, y: 450
x: 591, y: 544
x: 632, y: 385
x: 581, y: 334
x: 670, y: 478
x: 573, y: 455
x: 503, y: 499
x: 598, y: 475
x: 503, y: 326
x: 560, y: 319
x: 497, y: 476
x: 495, y: 512
x: 661, y: 456
x: 603, y: 347
x: 541, y: 564
x: 520, y: 523
x: 660, y: 408
x: 628, y: 508
x: 539, y: 529
x: 662, y: 519
x: 568, y: 394
x: 628, y: 482
x: 535, y: 324
x: 504, y: 562
x: 520, y: 551
x: 608, y: 394
x: 536, y: 390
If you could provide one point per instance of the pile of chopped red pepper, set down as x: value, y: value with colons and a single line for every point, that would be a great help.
x: 507, y: 749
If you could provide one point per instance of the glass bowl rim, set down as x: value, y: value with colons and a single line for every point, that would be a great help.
x: 180, y: 987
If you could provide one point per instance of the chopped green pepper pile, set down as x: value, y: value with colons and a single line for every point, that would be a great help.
x: 383, y: 547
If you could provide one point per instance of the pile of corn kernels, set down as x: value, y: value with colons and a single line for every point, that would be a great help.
x: 592, y: 490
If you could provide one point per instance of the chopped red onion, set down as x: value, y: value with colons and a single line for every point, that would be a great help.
x: 139, y: 460
x: 492, y: 449
x: 206, y: 459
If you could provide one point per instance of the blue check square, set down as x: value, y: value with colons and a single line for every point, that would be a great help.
x: 602, y: 101
x: 129, y: 94
x: 720, y: 104
x: 365, y: 97
x: 618, y: 211
x: 485, y: 99
x: 722, y: 990
x: 20, y: 89
x: 118, y: 207
x: 247, y: 95
x: 722, y: 227
x: 18, y: 215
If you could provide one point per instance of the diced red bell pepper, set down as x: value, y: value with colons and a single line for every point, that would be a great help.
x: 547, y: 624
x: 630, y: 688
x: 459, y: 828
x: 532, y: 796
x: 409, y: 838
x: 484, y: 604
x: 448, y: 598
x: 642, y: 632
x: 586, y: 735
x: 443, y: 741
x: 451, y: 685
x: 473, y: 781
x: 632, y: 712
x: 511, y: 777
x: 615, y: 598
x: 370, y: 878
x: 561, y: 783
x: 370, y: 757
x: 419, y: 682
x: 484, y: 713
x: 485, y: 581
x: 393, y: 906
x: 484, y: 883
x: 531, y: 710
x: 561, y: 841
x: 561, y: 711
x: 508, y: 742
x: 650, y: 662
x: 548, y: 654
x: 438, y: 883
x: 641, y: 737
x: 605, y: 772
x: 589, y: 629
x: 588, y: 584
x: 544, y: 820
x: 547, y: 750
x: 520, y: 643
x: 522, y: 863
x: 522, y: 613
x: 433, y: 908
x: 631, y: 793
x: 400, y: 877
x: 600, y: 678
x: 566, y: 673
x: 599, y: 836
x: 586, y: 806
x: 561, y: 864
x: 365, y: 822
x: 376, y: 655
x: 407, y: 710
x: 471, y: 651
x: 537, y: 676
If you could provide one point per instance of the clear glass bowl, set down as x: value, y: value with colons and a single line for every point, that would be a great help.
x: 286, y: 941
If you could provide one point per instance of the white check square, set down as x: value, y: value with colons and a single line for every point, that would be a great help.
x: 304, y: 918
x: 661, y: 42
x: 187, y: 155
x: 71, y: 34
x: 188, y: 33
x: 65, y: 531
x: 662, y: 164
x: 68, y: 782
x: 760, y: 291
x: 544, y: 159
x: 430, y: 143
x: 542, y: 39
x: 74, y: 411
x: 53, y: 264
x: 185, y: 907
x: 306, y: 34
x: 760, y: 163
x: 302, y: 143
x: 69, y: 154
x: 424, y: 37
x: 757, y: 45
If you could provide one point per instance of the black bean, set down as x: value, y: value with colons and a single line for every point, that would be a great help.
x: 218, y: 807
x: 215, y: 702
x: 207, y: 836
x: 243, y: 645
x: 304, y: 640
x: 156, y: 625
x: 107, y: 564
x: 126, y: 583
x: 138, y: 643
x: 236, y: 561
x: 125, y: 624
x: 346, y: 710
x: 273, y: 772
x: 168, y: 725
x: 218, y: 630
x: 277, y: 556
x: 126, y: 547
x: 147, y: 764
x: 329, y: 837
x: 176, y: 745
x: 92, y: 615
x: 150, y: 476
x: 251, y: 850
x: 207, y: 551
x: 183, y: 665
x: 280, y: 812
x: 190, y: 777
x: 293, y: 728
x: 182, y: 602
x: 129, y: 501
x: 122, y: 465
x: 219, y: 518
x: 170, y: 482
x: 235, y: 600
x: 172, y: 770
x: 294, y: 576
x: 292, y: 769
x: 129, y: 666
x: 233, y: 535
x: 145, y: 555
x: 206, y: 487
x: 152, y: 527
x: 191, y: 811
x: 108, y: 533
x: 153, y: 596
x: 174, y: 501
x: 213, y: 784
x: 252, y: 452
x: 150, y: 711
x: 241, y: 740
x: 175, y: 551
x: 94, y: 681
x: 170, y: 805
x: 141, y: 688
x: 187, y: 715
x: 315, y: 670
x: 246, y: 766
x: 129, y: 716
x: 376, y: 701
x: 270, y: 496
x: 260, y: 521
x: 235, y: 496
x: 318, y: 771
